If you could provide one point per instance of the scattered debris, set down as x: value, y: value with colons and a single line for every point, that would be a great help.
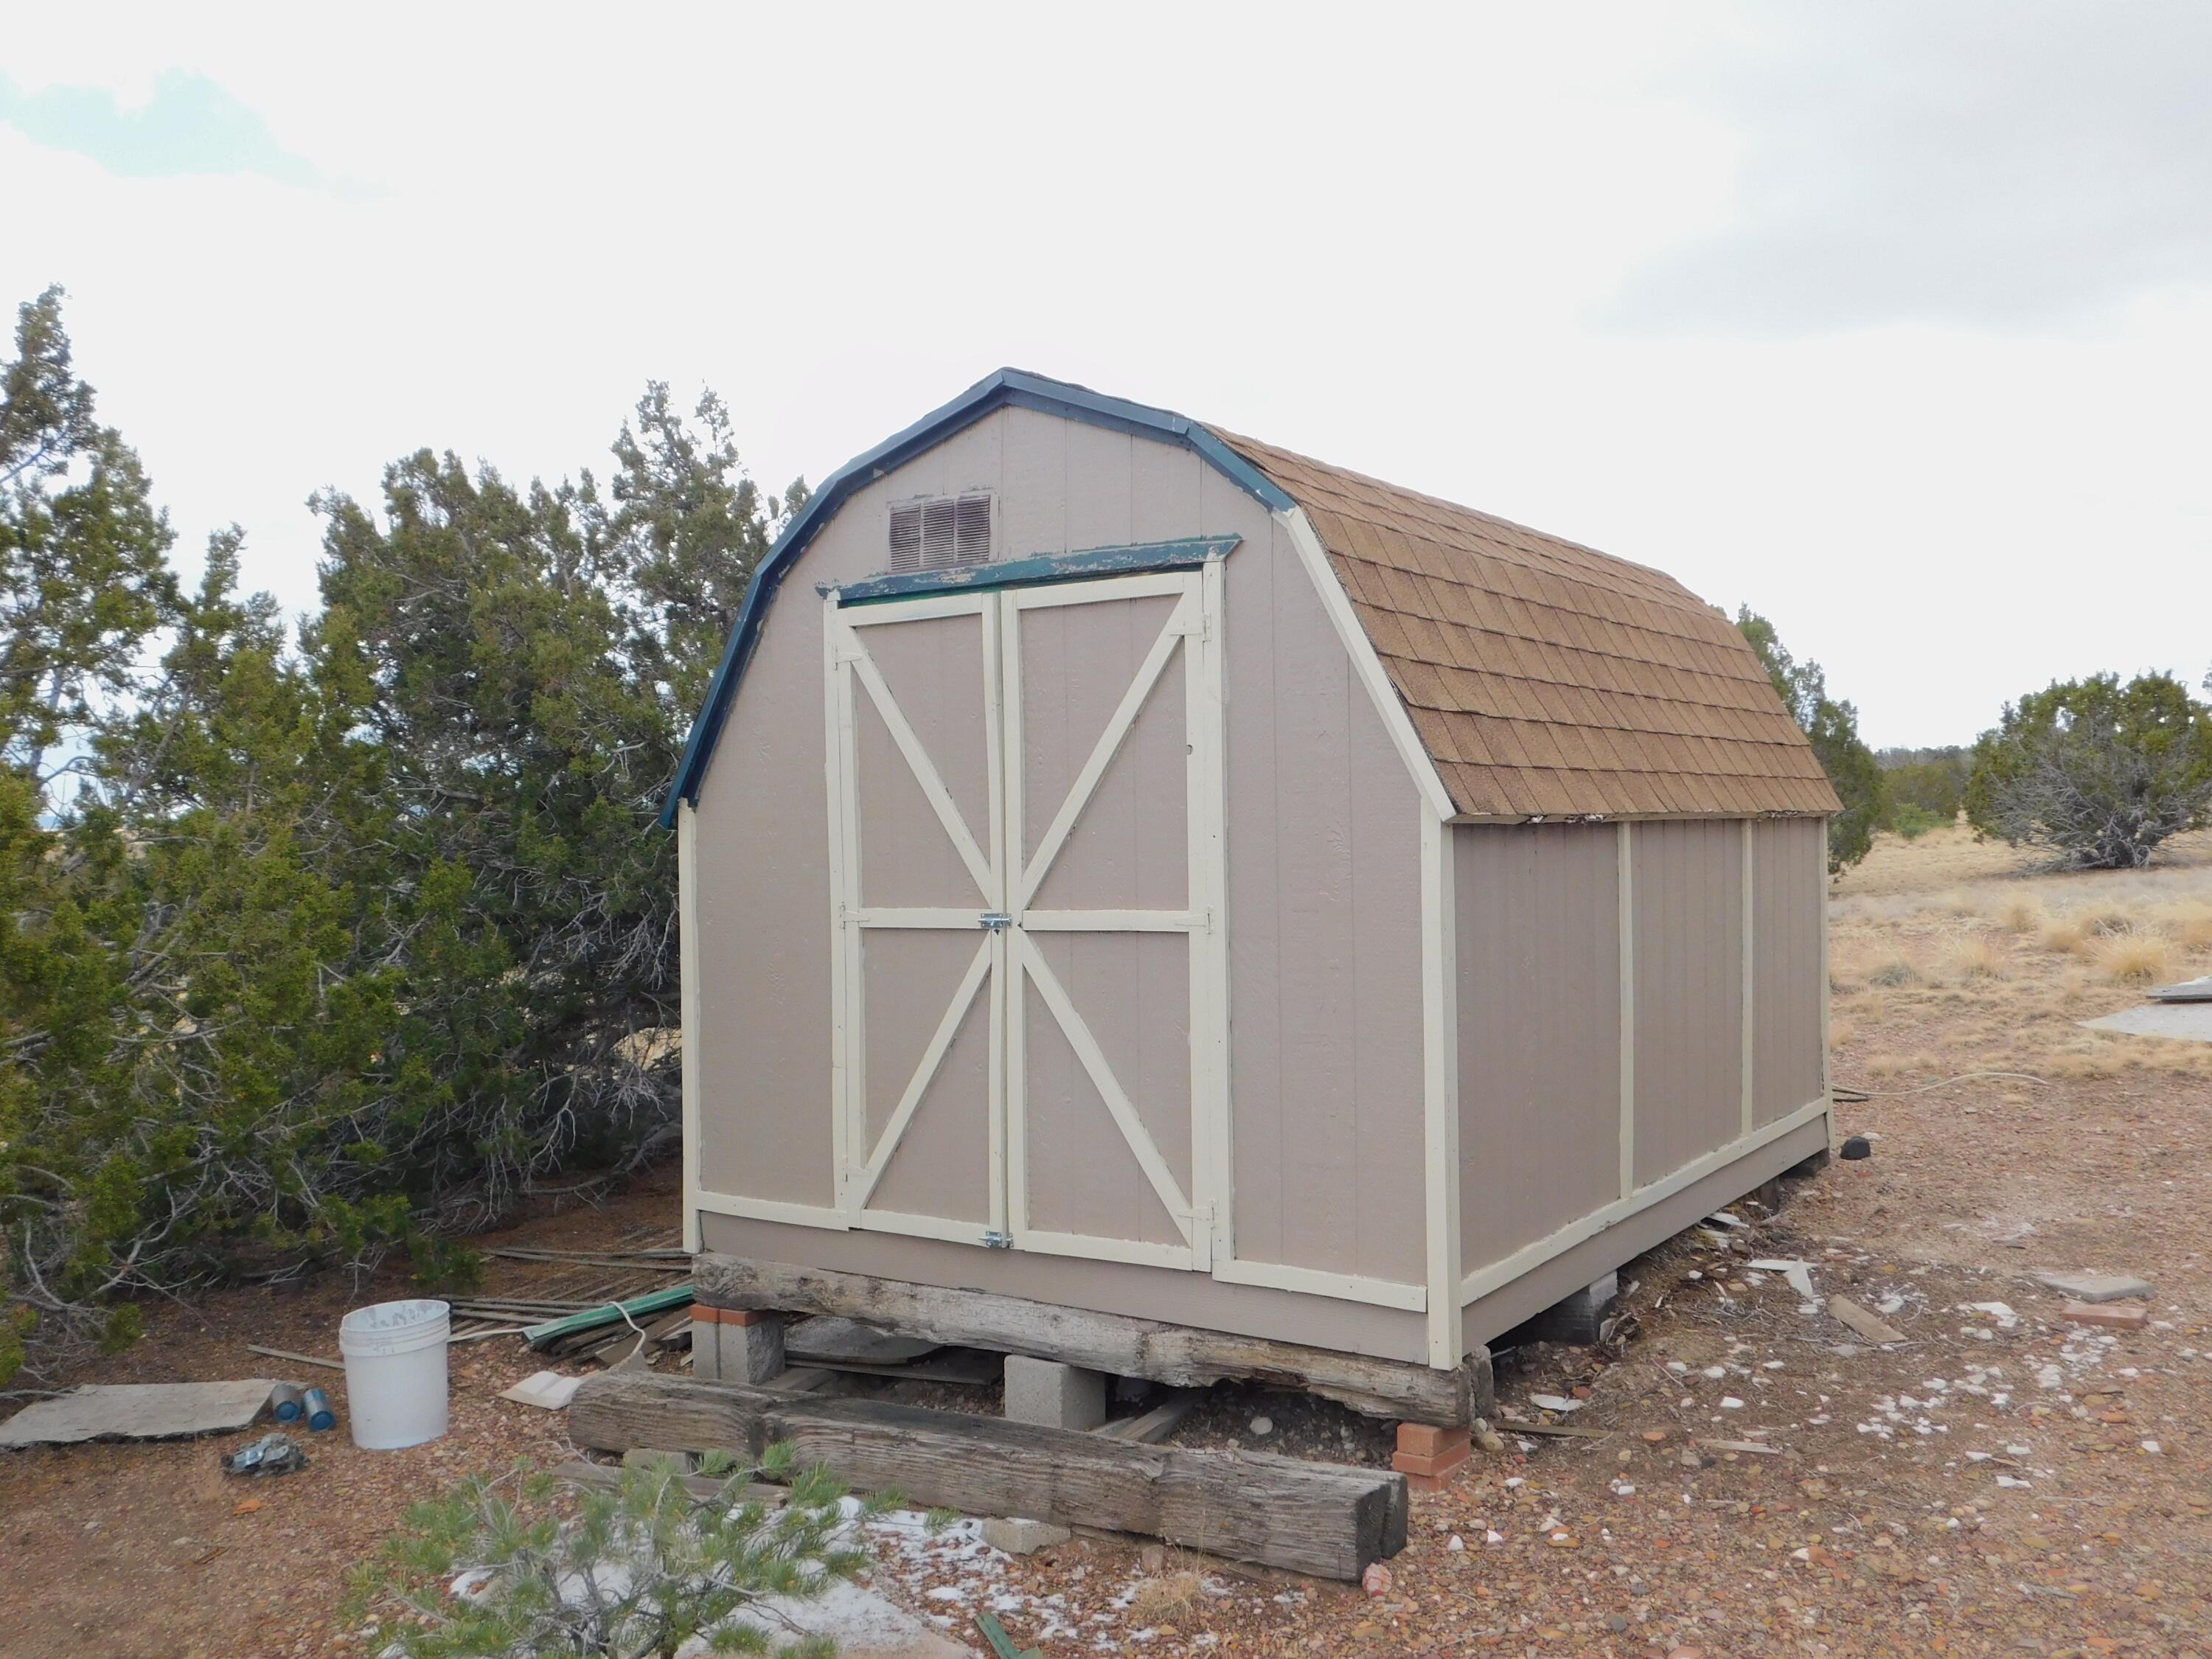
x: 610, y: 1313
x: 1799, y: 1274
x: 1857, y: 1146
x: 1741, y: 1446
x: 1375, y: 1581
x: 546, y: 1389
x: 2096, y: 1287
x: 1002, y: 1646
x: 1868, y: 1325
x: 2132, y: 1317
x: 1018, y: 1536
x: 273, y: 1454
x: 1554, y: 1402
x: 138, y: 1410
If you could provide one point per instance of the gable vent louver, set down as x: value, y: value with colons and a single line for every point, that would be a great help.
x: 936, y: 535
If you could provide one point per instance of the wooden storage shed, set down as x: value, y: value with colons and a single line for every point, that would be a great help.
x: 1153, y: 900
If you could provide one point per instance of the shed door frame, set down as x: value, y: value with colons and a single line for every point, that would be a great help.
x: 1008, y: 967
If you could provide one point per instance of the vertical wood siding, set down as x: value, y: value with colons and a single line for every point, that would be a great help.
x: 1323, y: 913
x: 1324, y: 943
x: 1789, y: 887
x: 1688, y: 885
x: 1539, y: 1030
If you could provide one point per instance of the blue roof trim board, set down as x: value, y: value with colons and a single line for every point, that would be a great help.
x: 1092, y: 562
x: 1009, y: 386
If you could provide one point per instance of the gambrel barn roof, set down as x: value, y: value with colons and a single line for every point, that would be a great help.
x: 1545, y: 679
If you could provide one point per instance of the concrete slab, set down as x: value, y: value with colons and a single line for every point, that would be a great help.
x: 2096, y: 1287
x: 139, y: 1411
x: 2189, y: 1022
x: 548, y: 1389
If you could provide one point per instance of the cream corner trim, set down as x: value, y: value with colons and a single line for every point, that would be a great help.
x: 1364, y: 661
x: 687, y: 1003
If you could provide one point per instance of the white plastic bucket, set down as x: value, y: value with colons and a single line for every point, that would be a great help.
x: 395, y: 1365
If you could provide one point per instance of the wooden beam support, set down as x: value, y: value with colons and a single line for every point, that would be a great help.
x: 1121, y: 1346
x: 1317, y: 1518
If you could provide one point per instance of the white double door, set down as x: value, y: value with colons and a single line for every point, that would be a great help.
x: 1030, y: 982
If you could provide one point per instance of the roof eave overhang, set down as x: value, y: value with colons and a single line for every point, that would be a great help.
x: 1009, y: 388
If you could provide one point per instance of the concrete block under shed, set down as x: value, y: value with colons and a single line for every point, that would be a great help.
x: 1578, y: 1320
x: 1058, y: 1397
x: 1018, y: 1537
x: 736, y: 1344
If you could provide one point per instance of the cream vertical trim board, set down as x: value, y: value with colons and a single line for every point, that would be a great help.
x: 1827, y: 1048
x: 1012, y: 1192
x: 1206, y: 788
x: 844, y: 873
x: 1497, y: 1274
x: 1365, y: 663
x: 1625, y: 880
x: 1745, y: 1013
x: 1315, y: 1281
x: 1440, y: 1088
x: 995, y: 627
x: 687, y: 1002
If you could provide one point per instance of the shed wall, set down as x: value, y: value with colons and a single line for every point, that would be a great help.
x: 1539, y: 1030
x: 1323, y: 901
x: 1686, y: 897
x: 1790, y: 885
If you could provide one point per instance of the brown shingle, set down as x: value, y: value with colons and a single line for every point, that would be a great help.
x: 1545, y: 676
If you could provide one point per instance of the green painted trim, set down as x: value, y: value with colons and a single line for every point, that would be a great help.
x: 1008, y: 386
x: 1090, y: 561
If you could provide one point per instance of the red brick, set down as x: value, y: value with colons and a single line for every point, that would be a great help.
x: 2121, y: 1315
x: 1424, y: 1440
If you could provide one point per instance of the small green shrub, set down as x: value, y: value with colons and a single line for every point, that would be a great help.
x: 636, y: 1571
x: 1913, y: 822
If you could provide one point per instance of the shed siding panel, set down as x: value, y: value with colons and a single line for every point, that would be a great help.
x: 1789, y: 864
x: 1324, y: 942
x: 1688, y: 892
x: 1539, y: 1030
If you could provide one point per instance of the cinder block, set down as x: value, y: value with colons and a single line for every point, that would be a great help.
x: 1018, y: 1537
x: 1057, y: 1395
x: 1578, y: 1319
x: 736, y: 1344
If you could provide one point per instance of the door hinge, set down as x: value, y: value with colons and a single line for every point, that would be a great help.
x: 996, y: 922
x: 998, y: 1241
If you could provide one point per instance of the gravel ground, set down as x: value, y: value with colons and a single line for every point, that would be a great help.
x: 1990, y: 1485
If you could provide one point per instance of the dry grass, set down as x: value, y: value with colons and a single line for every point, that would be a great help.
x: 1894, y: 972
x: 1899, y: 1065
x: 1160, y: 1600
x: 2134, y: 959
x: 2019, y: 915
x: 1840, y: 1032
x: 1974, y: 957
x: 2066, y: 937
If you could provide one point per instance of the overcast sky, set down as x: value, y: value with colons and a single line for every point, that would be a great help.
x: 1890, y: 318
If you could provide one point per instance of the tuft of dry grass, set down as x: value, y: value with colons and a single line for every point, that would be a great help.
x: 1840, y: 1032
x: 1158, y: 1601
x: 1899, y: 1065
x: 2134, y: 959
x: 2065, y: 938
x: 1893, y: 971
x: 1975, y: 958
x: 2020, y: 916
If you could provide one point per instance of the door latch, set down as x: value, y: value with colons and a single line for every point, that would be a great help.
x: 998, y: 1241
x: 996, y: 922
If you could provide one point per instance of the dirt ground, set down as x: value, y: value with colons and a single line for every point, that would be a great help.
x: 2000, y: 1482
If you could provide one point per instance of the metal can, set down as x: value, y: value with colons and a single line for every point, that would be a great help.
x: 284, y: 1400
x: 316, y: 1407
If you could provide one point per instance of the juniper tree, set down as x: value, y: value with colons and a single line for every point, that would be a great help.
x: 1832, y: 728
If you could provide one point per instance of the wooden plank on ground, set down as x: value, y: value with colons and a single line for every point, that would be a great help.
x: 1113, y: 1343
x: 1155, y: 1424
x: 1317, y: 1518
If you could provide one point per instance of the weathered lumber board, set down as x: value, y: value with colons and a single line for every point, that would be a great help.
x: 1155, y: 1424
x: 1113, y: 1343
x: 1316, y: 1518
